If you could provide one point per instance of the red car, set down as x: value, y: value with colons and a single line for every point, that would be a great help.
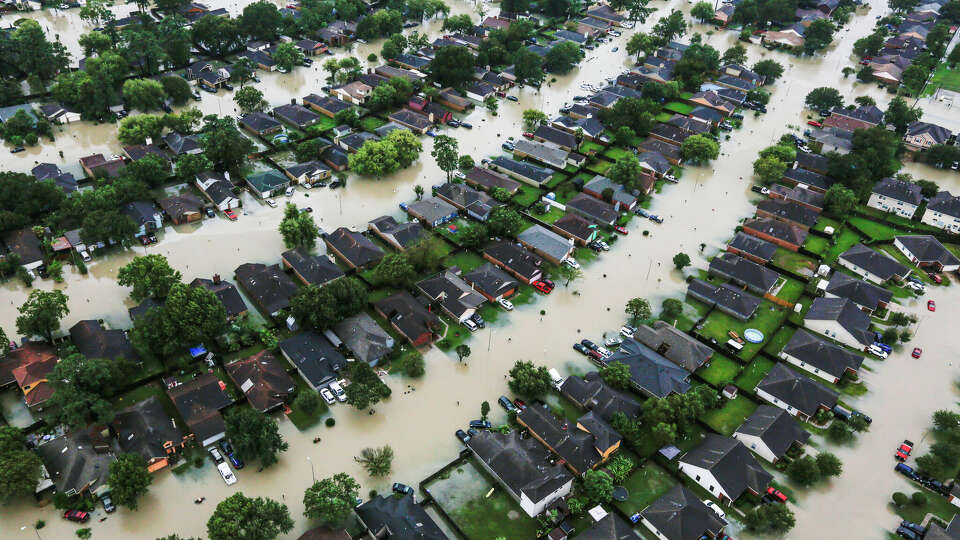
x: 76, y: 515
x: 814, y: 123
x: 231, y: 215
x: 501, y: 94
x: 931, y: 305
x: 620, y: 229
x: 900, y: 456
x: 917, y: 351
x: 520, y: 404
x: 542, y: 287
x: 776, y: 494
x: 936, y: 278
x: 528, y: 135
x: 594, y: 354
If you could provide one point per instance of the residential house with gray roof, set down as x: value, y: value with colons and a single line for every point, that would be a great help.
x: 896, y: 196
x: 409, y: 317
x: 260, y: 123
x: 520, y: 170
x: 725, y: 468
x: 542, y: 152
x: 487, y: 180
x: 674, y: 345
x: 868, y: 296
x: 787, y: 211
x: 515, y: 260
x: 943, y: 212
x: 751, y: 247
x: 268, y: 286
x: 262, y: 379
x: 361, y: 334
x: 432, y: 211
x: 770, y: 432
x: 841, y: 320
x: 679, y: 514
x: 582, y: 446
x: 296, y: 115
x: 77, y: 462
x: 593, y: 209
x: 650, y: 372
x: 390, y: 516
x: 455, y: 296
x: 923, y: 135
x: 927, y: 252
x: 874, y: 266
x: 353, y: 249
x: 757, y: 279
x: 472, y: 202
x: 316, y: 359
x: 546, y: 243
x: 592, y: 393
x: 619, y: 196
x: 781, y: 233
x: 581, y: 231
x: 807, y: 198
x: 797, y: 394
x: 726, y: 298
x: 310, y: 269
x: 398, y: 235
x: 813, y: 180
x: 820, y: 357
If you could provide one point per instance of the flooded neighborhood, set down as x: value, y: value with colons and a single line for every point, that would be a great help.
x: 713, y: 302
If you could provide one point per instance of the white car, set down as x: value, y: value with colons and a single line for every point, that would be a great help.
x: 271, y: 203
x: 471, y: 326
x: 607, y: 353
x: 85, y: 256
x: 916, y: 286
x: 290, y: 191
x: 626, y: 331
x: 216, y: 455
x: 505, y: 304
x: 613, y: 341
x: 459, y: 175
x: 571, y: 262
x: 327, y: 396
x: 716, y: 509
x: 338, y: 391
x: 227, y: 474
x: 877, y: 351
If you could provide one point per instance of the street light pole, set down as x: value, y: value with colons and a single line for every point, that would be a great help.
x: 312, y: 474
x: 35, y: 530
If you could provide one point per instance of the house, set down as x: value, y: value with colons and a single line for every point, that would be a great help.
x: 606, y: 13
x: 310, y: 269
x: 674, y: 345
x: 213, y: 78
x: 590, y: 126
x: 707, y: 115
x: 326, y: 105
x: 448, y: 97
x: 260, y: 123
x: 92, y: 340
x: 650, y: 372
x: 562, y: 139
x: 364, y: 337
x: 182, y: 208
x: 713, y: 100
x: 874, y: 266
x: 581, y: 231
x: 943, y: 212
x: 741, y: 72
x: 182, y: 144
x: 822, y: 358
x: 592, y: 393
x: 266, y: 184
x: 308, y: 173
x: 515, y: 260
x: 488, y: 180
x: 770, y: 432
x: 790, y: 38
x: 199, y: 402
x: 26, y: 245
x: 679, y: 514
x: 935, y: 531
x: 693, y: 126
x: 144, y: 215
x: 335, y: 158
x: 886, y: 72
x: 455, y: 297
x: 262, y: 379
x: 813, y: 162
x: 410, y: 61
x: 725, y: 468
x: 78, y: 462
x: 863, y: 117
x: 228, y: 294
x: 618, y: 196
x: 97, y: 166
x: 218, y: 189
x: 398, y: 235
x: 609, y: 527
x: 268, y: 287
x: 669, y: 134
x: 432, y: 211
x: 523, y: 467
x: 49, y: 171
x: 542, y: 152
x: 756, y: 278
x: 310, y: 47
x: 593, y: 209
x: 797, y: 394
x: 136, y: 152
x: 296, y: 115
x: 29, y: 366
x: 726, y: 298
x: 408, y: 317
x: 777, y: 232
x: 582, y: 447
x: 472, y: 202
x: 315, y: 358
x: 525, y: 172
x: 391, y: 72
x: 353, y: 249
x: 723, y: 15
x: 867, y: 296
x: 927, y: 253
x: 59, y: 113
x: 788, y: 212
x: 355, y: 92
x: 546, y: 243
x: 260, y: 59
x: 414, y: 121
x: 338, y: 33
x: 814, y: 181
x: 922, y: 135
x: 389, y: 516
x: 145, y: 429
x: 354, y: 141
x: 841, y: 320
x: 896, y: 196
x: 491, y: 282
x: 799, y: 194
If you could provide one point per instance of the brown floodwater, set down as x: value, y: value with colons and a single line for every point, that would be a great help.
x: 420, y: 418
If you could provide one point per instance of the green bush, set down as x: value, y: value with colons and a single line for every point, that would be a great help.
x: 918, y: 499
x: 31, y: 139
x: 307, y: 401
x: 330, y: 422
x: 900, y: 499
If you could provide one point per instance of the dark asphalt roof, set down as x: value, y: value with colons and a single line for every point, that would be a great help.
x: 679, y: 514
x: 928, y: 249
x: 863, y: 293
x: 753, y: 246
x: 797, y: 390
x: 877, y: 263
x: 846, y: 313
x: 743, y: 271
x: 900, y: 190
x: 733, y: 466
x: 650, y: 371
x: 775, y: 427
x: 522, y: 464
x: 821, y: 354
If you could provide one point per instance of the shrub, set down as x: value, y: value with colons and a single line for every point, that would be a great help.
x: 307, y: 401
x: 330, y: 422
x: 373, y: 493
x: 839, y: 432
x: 30, y: 139
x: 918, y: 499
x: 900, y: 499
x: 372, y: 57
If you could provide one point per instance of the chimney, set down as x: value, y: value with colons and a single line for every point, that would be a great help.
x: 216, y: 279
x: 293, y: 101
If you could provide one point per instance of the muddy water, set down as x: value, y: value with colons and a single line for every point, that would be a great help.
x: 419, y: 420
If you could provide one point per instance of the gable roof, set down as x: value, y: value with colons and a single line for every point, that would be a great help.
x: 541, y: 239
x: 821, y: 354
x: 522, y: 464
x: 593, y: 208
x: 262, y: 379
x: 451, y: 292
x: 492, y: 179
x: 362, y: 335
x: 576, y: 226
x: 267, y: 286
x: 355, y: 247
x: 295, y: 114
x: 490, y: 279
x: 398, y: 517
x: 811, y: 161
x: 775, y: 427
x: 733, y: 466
x: 267, y: 180
x: 314, y: 356
x: 803, y: 176
x: 744, y: 272
x: 259, y: 122
x: 863, y: 293
x: 516, y: 258
x: 649, y: 371
x: 754, y: 246
x: 598, y: 184
x: 926, y: 249
x: 945, y: 203
x: 900, y: 190
x: 315, y: 269
x: 778, y: 229
x: 788, y: 211
x: 146, y: 429
x: 76, y: 461
x: 579, y: 448
x: 846, y: 313
x: 228, y: 294
x: 432, y: 209
x: 521, y: 168
x: 877, y: 263
x: 199, y: 402
x: 725, y: 296
x: 470, y: 200
x: 593, y: 394
x: 93, y: 341
x: 404, y: 312
x: 673, y: 344
x: 680, y: 515
x: 406, y: 234
x: 935, y: 132
x: 796, y: 390
x: 178, y: 206
x: 30, y: 365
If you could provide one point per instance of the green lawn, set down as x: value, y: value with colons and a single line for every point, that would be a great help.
x: 728, y: 418
x: 645, y: 485
x: 663, y: 117
x: 301, y: 418
x: 465, y: 260
x: 587, y: 147
x: 824, y: 222
x: 794, y: 262
x: 599, y: 167
x: 791, y: 290
x: 767, y: 319
x: 325, y: 123
x: 678, y: 107
x: 944, y: 77
x: 693, y: 311
x: 371, y: 123
x: 721, y: 370
x: 751, y: 375
x: 845, y: 239
x: 454, y: 335
x: 553, y: 213
x: 776, y: 343
x: 797, y: 318
x: 817, y: 244
x: 479, y: 511
x: 937, y: 505
x: 875, y: 231
x: 615, y: 152
x: 450, y: 230
x: 526, y: 196
x: 555, y: 180
x: 564, y: 192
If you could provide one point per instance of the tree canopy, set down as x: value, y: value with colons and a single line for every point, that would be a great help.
x: 239, y: 517
x: 129, y: 479
x: 41, y: 313
x: 331, y: 500
x: 529, y: 380
x: 19, y: 467
x: 254, y: 435
x: 322, y: 307
x: 150, y: 276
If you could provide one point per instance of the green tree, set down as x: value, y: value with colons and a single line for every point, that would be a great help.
x: 41, y: 313
x: 81, y: 386
x: 533, y: 118
x: 529, y: 380
x: 699, y: 149
x: 642, y: 44
x: 395, y: 270
x: 484, y: 409
x: 365, y: 388
x: 734, y: 55
x: 250, y: 99
x: 804, y: 471
x: 620, y: 467
x: 504, y: 221
x: 254, y: 434
x: 670, y: 27
x: 900, y: 500
x: 19, y: 467
x: 393, y: 47
x: 239, y: 517
x: 463, y: 351
x: 626, y: 171
x: 33, y: 54
x: 491, y: 104
x: 681, y: 260
x: 150, y: 276
x: 900, y: 115
x: 597, y: 486
x: 376, y: 461
x: 298, y: 228
x: 829, y: 464
x: 143, y: 94
x: 703, y: 11
x: 769, y: 169
x: 308, y: 401
x: 445, y: 152
x: 672, y: 308
x: 824, y: 98
x: 95, y: 42
x: 465, y: 163
x: 218, y: 35
x: 261, y: 20
x: 242, y: 70
x: 840, y: 200
x: 322, y: 307
x: 458, y: 23
x: 188, y: 166
x: 770, y: 70
x: 223, y: 144
x: 818, y: 35
x: 287, y: 56
x: 418, y: 191
x: 189, y: 316
x: 638, y: 309
x: 331, y: 500
x: 562, y: 57
x: 775, y: 519
x: 176, y: 88
x: 617, y: 375
x: 918, y: 498
x: 839, y: 433
x: 129, y: 479
x: 474, y: 236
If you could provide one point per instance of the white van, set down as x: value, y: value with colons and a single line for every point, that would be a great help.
x: 555, y: 377
x: 338, y: 391
x: 227, y: 474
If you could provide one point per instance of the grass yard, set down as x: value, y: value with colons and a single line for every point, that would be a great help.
x: 767, y: 319
x: 615, y: 152
x: 845, y: 239
x: 465, y: 260
x: 325, y: 123
x: 645, y: 485
x: 526, y: 196
x: 555, y: 180
x: 779, y: 340
x: 824, y: 222
x: 371, y: 123
x: 663, y: 117
x: 890, y: 250
x: 304, y: 419
x: 565, y: 192
x: 817, y: 244
x: 451, y: 230
x: 721, y: 370
x: 728, y: 418
x: 878, y: 232
x: 587, y: 147
x: 693, y: 311
x: 944, y: 77
x: 791, y: 290
x: 751, y: 375
x: 454, y: 334
x: 794, y: 262
x: 679, y: 108
x: 599, y: 167
x: 553, y: 213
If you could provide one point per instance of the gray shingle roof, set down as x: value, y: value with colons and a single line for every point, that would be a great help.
x: 315, y: 269
x: 362, y: 335
x: 522, y: 464
x: 875, y: 262
x: 846, y: 313
x: 406, y: 234
x: 775, y: 427
x: 744, y: 272
x: 651, y: 372
x: 675, y: 345
x: 680, y: 515
x: 753, y: 246
x: 609, y: 527
x: 939, y: 134
x: 725, y: 296
x: 945, y: 203
x: 900, y: 190
x: 788, y: 211
x: 543, y: 240
x: 928, y: 249
x: 520, y: 168
x: 576, y: 446
x: 398, y: 517
x: 778, y: 229
x: 863, y: 293
x: 734, y: 467
x: 314, y: 356
x: 796, y: 390
x: 591, y: 393
x: 803, y: 176
x: 451, y: 292
x: 821, y: 354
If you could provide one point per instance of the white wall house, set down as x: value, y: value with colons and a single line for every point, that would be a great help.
x: 892, y: 205
x: 756, y: 444
x: 705, y: 479
x: 833, y: 330
x: 941, y: 221
x: 808, y: 368
x: 873, y: 278
x: 766, y: 396
x: 531, y: 507
x: 219, y: 192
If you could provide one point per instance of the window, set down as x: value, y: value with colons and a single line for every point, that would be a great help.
x: 711, y: 489
x: 697, y: 478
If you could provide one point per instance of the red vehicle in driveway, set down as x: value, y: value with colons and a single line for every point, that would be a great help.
x: 620, y: 229
x: 917, y: 351
x: 931, y: 305
x: 776, y: 494
x: 542, y: 287
x: 528, y: 135
x: 76, y: 515
x: 231, y: 215
x: 936, y: 278
x: 814, y: 123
